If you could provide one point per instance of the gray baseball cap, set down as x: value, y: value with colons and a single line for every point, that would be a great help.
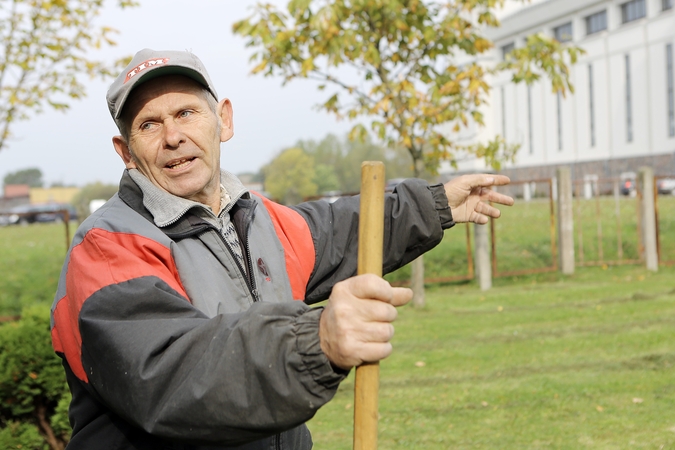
x: 148, y: 64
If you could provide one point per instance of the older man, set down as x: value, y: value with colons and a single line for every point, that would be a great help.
x: 182, y: 310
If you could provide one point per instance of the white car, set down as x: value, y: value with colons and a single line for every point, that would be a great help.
x: 666, y: 186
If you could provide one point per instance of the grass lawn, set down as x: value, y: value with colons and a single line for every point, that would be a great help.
x: 30, y: 263
x: 539, y: 361
x: 586, y: 361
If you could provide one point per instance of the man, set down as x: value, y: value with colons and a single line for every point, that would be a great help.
x: 175, y: 312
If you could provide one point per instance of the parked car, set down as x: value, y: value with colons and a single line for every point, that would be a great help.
x: 666, y: 186
x: 47, y: 212
x: 331, y: 196
x: 627, y: 183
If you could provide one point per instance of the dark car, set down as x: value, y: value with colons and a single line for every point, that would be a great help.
x: 47, y: 212
x: 627, y: 183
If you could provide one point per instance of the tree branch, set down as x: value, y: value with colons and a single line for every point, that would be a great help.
x: 46, y: 429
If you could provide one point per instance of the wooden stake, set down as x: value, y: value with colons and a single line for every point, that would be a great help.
x: 371, y: 238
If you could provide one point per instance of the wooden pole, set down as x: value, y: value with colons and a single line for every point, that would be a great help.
x: 371, y: 238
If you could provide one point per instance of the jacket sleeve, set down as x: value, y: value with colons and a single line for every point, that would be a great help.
x: 140, y: 347
x: 415, y: 216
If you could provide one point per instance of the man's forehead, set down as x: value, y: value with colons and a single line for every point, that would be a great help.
x: 164, y: 86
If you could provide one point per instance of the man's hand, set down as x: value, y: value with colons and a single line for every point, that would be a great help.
x: 355, y: 326
x: 468, y: 196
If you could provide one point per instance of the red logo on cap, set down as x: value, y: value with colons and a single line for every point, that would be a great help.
x: 145, y: 65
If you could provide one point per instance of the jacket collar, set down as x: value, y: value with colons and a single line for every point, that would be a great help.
x: 164, y: 208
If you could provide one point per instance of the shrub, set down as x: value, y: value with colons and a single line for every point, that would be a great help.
x: 34, y: 396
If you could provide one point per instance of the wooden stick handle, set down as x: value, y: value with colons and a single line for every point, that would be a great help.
x: 371, y: 238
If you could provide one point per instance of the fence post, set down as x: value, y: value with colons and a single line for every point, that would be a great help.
x: 482, y: 260
x: 565, y: 220
x: 647, y: 211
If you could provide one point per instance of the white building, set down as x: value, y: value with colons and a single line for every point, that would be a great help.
x: 622, y: 115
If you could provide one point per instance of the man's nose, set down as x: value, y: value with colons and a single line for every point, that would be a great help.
x: 173, y: 134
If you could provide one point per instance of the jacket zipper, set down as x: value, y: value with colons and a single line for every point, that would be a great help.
x: 250, y: 281
x: 247, y: 248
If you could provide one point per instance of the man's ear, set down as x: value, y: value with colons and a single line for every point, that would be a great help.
x: 122, y: 149
x: 226, y: 119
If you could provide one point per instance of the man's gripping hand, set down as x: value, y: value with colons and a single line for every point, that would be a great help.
x: 356, y: 325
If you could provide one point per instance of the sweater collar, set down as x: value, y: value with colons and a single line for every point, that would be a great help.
x: 167, y: 208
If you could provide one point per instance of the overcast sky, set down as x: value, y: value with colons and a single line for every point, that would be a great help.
x: 75, y: 147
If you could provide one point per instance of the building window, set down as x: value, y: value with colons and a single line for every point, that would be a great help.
x: 563, y: 33
x: 596, y: 22
x: 670, y: 89
x: 633, y: 10
x: 591, y: 104
x: 529, y: 118
x: 629, y: 103
x: 666, y: 4
x: 559, y: 107
x: 506, y: 49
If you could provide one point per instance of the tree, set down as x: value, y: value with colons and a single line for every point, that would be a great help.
x: 34, y: 396
x: 92, y: 191
x: 44, y: 54
x: 325, y: 178
x: 340, y: 159
x: 32, y: 177
x: 290, y: 176
x: 413, y: 67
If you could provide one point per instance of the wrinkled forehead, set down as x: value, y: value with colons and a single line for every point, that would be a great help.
x: 162, y: 87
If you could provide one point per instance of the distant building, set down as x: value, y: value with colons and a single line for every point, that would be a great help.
x: 14, y: 195
x: 17, y: 190
x: 53, y: 195
x: 622, y: 115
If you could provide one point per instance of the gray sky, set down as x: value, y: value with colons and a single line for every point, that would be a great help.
x: 75, y: 147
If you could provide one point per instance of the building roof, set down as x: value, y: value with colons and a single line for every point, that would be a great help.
x: 539, y: 14
x: 17, y: 190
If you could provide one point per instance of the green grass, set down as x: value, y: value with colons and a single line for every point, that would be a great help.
x: 30, y: 264
x: 539, y: 361
x: 545, y: 361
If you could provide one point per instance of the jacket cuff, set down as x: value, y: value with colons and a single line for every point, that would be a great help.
x: 441, y: 205
x: 316, y: 362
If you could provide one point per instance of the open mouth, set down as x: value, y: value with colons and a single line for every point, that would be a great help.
x: 179, y: 163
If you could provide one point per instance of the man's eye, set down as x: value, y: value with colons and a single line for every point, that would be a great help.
x: 185, y: 113
x: 146, y: 126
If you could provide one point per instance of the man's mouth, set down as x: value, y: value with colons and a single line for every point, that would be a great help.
x: 179, y: 163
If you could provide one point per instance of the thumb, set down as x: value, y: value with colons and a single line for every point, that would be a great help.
x: 401, y: 296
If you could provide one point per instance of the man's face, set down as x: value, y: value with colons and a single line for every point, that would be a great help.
x: 174, y: 137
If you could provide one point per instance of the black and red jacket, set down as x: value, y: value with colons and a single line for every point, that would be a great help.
x: 167, y: 342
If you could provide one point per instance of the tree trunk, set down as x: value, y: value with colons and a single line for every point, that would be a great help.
x: 46, y: 429
x: 417, y: 282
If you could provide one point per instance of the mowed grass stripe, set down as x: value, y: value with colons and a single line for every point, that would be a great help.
x: 546, y: 361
